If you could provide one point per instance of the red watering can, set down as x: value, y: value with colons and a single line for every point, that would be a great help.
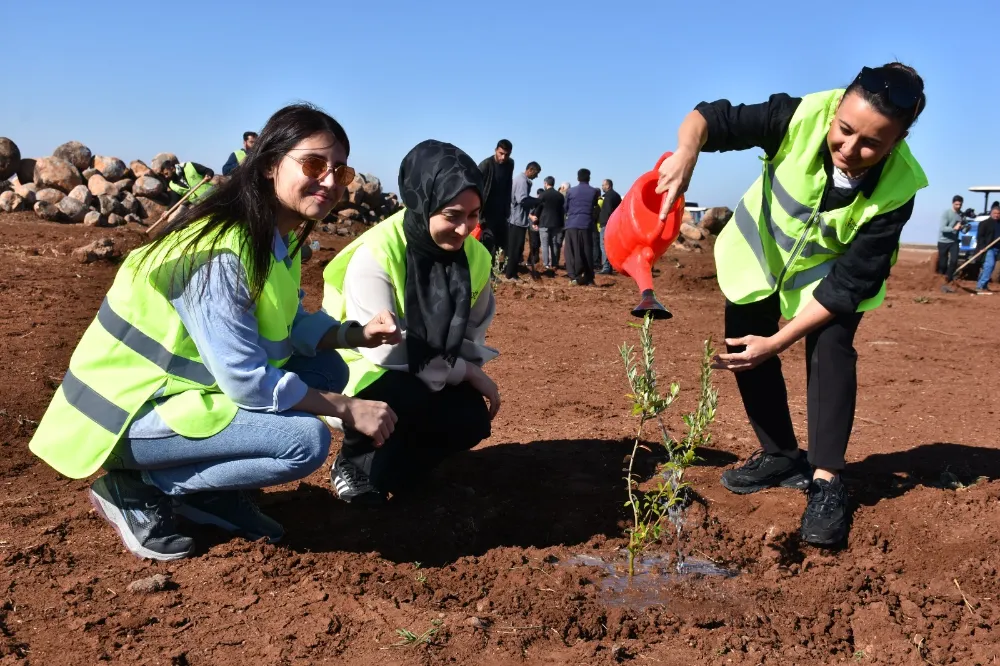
x: 636, y: 237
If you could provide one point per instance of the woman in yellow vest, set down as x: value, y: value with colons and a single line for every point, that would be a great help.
x: 812, y: 241
x: 202, y: 375
x: 422, y: 266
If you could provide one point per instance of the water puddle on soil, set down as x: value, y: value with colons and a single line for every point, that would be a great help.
x: 653, y: 576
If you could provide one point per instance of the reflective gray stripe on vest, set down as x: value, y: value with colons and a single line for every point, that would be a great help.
x: 93, y: 405
x: 792, y: 208
x: 276, y: 350
x: 808, y: 276
x: 800, y: 212
x: 784, y: 241
x: 751, y: 234
x: 825, y: 229
x: 152, y: 350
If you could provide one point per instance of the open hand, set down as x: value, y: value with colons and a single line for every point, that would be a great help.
x: 382, y: 330
x: 757, y: 350
x: 675, y: 176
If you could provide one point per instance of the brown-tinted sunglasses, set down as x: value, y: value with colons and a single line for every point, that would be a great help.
x: 316, y: 168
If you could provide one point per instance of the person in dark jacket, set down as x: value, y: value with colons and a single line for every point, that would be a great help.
x: 988, y: 231
x: 581, y: 216
x: 611, y: 202
x: 550, y: 214
x: 498, y: 178
x: 799, y: 247
x: 534, y: 236
x: 237, y: 156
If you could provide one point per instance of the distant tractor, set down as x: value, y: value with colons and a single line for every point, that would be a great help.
x: 967, y: 236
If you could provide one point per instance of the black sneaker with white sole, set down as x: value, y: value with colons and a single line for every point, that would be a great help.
x: 233, y: 511
x: 141, y: 514
x: 353, y: 484
x: 824, y: 522
x: 764, y: 470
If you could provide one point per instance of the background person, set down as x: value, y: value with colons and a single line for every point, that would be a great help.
x: 951, y: 225
x: 581, y: 216
x: 237, y: 156
x: 987, y: 232
x: 498, y: 179
x: 521, y: 205
x: 611, y: 202
x: 551, y: 214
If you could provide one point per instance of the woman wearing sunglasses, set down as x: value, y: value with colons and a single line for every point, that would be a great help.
x: 201, y: 376
x: 421, y: 265
x: 812, y: 241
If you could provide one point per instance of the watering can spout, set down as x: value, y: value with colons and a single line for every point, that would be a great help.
x: 636, y: 237
x: 649, y: 305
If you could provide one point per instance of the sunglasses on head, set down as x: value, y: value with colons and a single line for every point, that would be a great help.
x: 316, y: 168
x: 901, y: 94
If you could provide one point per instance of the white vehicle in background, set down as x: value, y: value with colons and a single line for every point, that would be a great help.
x: 695, y: 211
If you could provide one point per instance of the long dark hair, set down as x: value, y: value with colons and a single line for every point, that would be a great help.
x: 248, y: 199
x: 895, y: 74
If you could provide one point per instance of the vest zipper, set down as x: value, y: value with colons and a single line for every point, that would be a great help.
x: 800, y: 243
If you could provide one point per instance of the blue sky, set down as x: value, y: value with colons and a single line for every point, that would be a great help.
x: 582, y: 84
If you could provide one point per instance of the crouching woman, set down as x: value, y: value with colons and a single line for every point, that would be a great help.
x: 422, y: 266
x: 202, y: 375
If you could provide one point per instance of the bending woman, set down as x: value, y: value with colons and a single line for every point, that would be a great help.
x: 812, y: 241
x: 202, y: 375
x: 422, y: 266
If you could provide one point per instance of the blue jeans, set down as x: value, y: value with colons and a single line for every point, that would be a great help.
x: 605, y: 265
x: 989, y: 263
x: 257, y: 449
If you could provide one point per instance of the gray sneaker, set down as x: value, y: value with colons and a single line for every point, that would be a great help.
x: 141, y: 514
x: 351, y: 481
x: 233, y: 511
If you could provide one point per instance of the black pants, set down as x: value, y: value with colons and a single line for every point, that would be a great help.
x: 515, y: 249
x: 947, y: 259
x: 831, y: 380
x: 596, y: 260
x: 534, y: 247
x: 431, y: 426
x: 579, y: 256
x: 494, y: 234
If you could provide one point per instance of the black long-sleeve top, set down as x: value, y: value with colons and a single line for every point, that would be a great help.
x: 858, y: 273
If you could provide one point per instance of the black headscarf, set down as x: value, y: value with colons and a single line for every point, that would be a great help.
x: 438, y: 288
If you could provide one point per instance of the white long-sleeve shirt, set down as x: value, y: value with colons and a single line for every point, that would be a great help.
x: 368, y: 290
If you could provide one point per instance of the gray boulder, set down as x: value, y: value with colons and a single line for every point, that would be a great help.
x: 10, y: 158
x: 75, y: 153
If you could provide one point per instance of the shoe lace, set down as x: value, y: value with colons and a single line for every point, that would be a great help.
x: 754, y: 461
x: 822, y: 500
x: 163, y: 510
x: 355, y: 477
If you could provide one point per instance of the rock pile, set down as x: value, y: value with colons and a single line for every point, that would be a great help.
x: 363, y: 202
x: 75, y: 186
x: 711, y: 223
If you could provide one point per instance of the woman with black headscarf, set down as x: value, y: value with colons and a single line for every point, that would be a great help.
x: 421, y: 265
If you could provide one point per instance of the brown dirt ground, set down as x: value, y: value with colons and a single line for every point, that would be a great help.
x: 494, y: 529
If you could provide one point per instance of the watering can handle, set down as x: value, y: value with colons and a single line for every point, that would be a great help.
x: 662, y: 159
x: 662, y: 223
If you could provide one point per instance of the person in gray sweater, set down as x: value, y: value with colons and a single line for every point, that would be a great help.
x: 951, y: 223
